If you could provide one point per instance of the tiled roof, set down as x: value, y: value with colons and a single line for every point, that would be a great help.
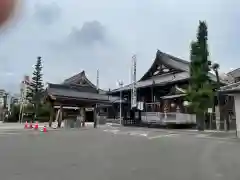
x: 231, y: 88
x: 75, y: 87
x: 171, y: 61
x: 60, y: 90
x: 74, y: 80
x: 157, y: 80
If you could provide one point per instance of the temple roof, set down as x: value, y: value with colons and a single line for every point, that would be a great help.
x: 69, y: 91
x: 160, y: 80
x: 231, y: 88
x: 81, y: 80
x: 169, y: 61
x: 235, y: 73
x: 80, y: 88
x: 164, y: 70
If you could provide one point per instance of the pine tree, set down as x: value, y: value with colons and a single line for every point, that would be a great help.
x: 35, y: 90
x: 200, y: 93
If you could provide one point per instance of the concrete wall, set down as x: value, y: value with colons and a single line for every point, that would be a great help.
x: 237, y: 111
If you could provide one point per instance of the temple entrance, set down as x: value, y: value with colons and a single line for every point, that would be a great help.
x: 89, y: 114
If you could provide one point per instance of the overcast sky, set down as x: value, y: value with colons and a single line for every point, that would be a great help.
x: 76, y: 35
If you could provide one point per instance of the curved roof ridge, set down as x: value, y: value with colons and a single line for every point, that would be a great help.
x: 82, y: 74
x: 174, y: 57
x: 168, y: 60
x: 72, y: 78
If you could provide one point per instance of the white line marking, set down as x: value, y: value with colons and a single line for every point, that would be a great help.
x: 201, y: 135
x: 161, y: 136
x: 111, y: 130
x: 116, y: 131
x: 8, y: 133
x: 216, y: 138
x: 138, y: 134
x: 145, y: 135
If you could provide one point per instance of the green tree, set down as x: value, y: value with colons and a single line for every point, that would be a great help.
x: 35, y: 90
x: 14, y: 113
x: 200, y: 92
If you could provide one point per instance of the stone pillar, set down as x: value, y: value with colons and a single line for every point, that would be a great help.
x: 165, y: 108
x: 217, y: 117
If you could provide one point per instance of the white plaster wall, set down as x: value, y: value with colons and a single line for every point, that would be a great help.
x: 237, y: 110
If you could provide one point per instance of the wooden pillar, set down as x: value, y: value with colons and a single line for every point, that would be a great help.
x: 51, y: 106
x: 60, y: 117
x: 95, y: 117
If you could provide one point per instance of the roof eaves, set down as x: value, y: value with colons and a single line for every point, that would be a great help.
x: 233, y: 71
x: 157, y: 81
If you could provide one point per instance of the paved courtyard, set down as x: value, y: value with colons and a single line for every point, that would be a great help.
x: 112, y: 153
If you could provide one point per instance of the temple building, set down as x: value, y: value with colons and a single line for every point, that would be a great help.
x: 77, y: 95
x: 161, y: 98
x: 162, y: 91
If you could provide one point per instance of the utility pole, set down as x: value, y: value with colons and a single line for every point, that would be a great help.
x: 98, y: 79
x: 96, y: 107
x: 120, y: 83
x: 215, y: 67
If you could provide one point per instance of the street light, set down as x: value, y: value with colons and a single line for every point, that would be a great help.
x: 120, y: 84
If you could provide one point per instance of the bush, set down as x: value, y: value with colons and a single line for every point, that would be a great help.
x: 14, y: 114
x: 43, y: 113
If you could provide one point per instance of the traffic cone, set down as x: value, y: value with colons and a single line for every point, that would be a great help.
x: 45, y: 128
x: 26, y: 125
x: 36, y: 126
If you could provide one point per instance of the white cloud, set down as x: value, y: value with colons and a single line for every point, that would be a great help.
x: 9, y: 74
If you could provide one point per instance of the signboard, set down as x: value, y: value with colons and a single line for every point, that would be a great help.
x: 89, y: 109
x: 210, y: 110
x: 140, y: 106
x: 134, y: 89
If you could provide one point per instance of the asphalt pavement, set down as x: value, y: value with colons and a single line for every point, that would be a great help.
x: 109, y: 153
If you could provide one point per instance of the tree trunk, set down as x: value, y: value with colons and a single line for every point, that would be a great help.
x: 200, y: 121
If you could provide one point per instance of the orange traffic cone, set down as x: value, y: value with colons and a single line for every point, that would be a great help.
x: 36, y: 126
x: 26, y: 125
x: 45, y: 128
